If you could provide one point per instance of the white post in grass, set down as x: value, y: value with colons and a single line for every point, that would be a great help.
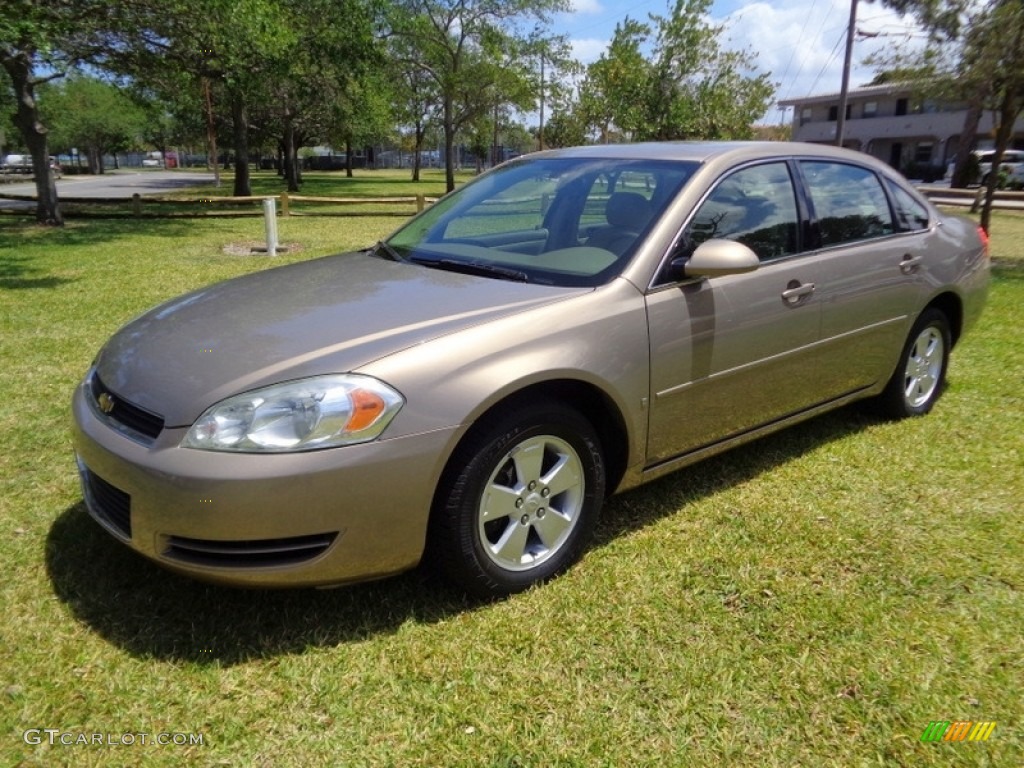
x: 270, y: 220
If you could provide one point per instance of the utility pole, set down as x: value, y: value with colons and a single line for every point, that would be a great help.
x: 540, y: 129
x: 845, y: 90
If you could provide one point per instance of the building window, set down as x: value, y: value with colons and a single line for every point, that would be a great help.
x: 805, y: 115
x: 901, y: 106
x: 923, y: 152
x: 870, y: 109
x: 833, y: 113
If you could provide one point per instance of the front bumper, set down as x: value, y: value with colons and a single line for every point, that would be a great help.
x: 302, y: 519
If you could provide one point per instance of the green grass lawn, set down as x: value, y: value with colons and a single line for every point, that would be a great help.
x: 812, y: 599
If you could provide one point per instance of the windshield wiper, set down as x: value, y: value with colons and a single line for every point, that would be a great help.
x: 475, y: 268
x: 387, y: 251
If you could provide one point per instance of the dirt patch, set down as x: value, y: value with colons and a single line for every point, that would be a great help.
x: 258, y: 248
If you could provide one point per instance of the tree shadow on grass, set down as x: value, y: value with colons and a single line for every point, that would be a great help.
x: 1007, y: 270
x: 78, y: 232
x: 19, y: 272
x: 154, y: 613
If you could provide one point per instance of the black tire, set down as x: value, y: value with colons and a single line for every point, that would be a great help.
x: 920, y: 374
x: 552, y: 493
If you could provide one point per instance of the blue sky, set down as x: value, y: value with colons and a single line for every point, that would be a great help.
x: 800, y: 42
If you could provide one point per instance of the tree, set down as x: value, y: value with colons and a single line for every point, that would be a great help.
x: 465, y: 47
x: 38, y: 43
x: 361, y: 114
x: 985, y: 69
x: 565, y: 129
x: 318, y: 77
x: 619, y: 83
x: 91, y: 113
x: 994, y: 48
x: 688, y: 88
x: 416, y: 101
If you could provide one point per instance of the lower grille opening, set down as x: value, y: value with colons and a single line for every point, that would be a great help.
x: 108, y: 504
x: 248, y: 553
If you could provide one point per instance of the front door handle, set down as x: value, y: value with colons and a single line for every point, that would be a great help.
x: 909, y: 264
x: 796, y: 292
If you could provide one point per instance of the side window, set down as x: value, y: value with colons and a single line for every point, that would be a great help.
x: 849, y: 202
x: 755, y: 206
x: 911, y: 215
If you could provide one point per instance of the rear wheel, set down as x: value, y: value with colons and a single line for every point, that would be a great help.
x: 519, y: 501
x: 920, y: 375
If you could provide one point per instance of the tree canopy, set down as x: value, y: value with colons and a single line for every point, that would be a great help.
x: 471, y: 52
x: 352, y: 72
x: 671, y: 78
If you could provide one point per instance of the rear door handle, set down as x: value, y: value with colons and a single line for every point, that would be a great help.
x: 910, y: 264
x: 796, y: 292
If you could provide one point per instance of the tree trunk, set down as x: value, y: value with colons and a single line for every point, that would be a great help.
x: 1009, y: 110
x: 291, y: 172
x: 449, y: 146
x: 963, y: 151
x: 33, y: 132
x: 417, y: 151
x: 239, y: 117
x: 348, y: 159
x: 212, y: 161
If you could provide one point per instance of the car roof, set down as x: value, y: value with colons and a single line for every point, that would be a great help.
x: 704, y: 151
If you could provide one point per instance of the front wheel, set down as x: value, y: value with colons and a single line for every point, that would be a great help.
x: 920, y: 374
x: 519, y: 501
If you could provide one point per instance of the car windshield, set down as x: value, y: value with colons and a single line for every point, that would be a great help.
x: 551, y: 220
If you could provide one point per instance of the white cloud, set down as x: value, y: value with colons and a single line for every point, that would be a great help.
x: 588, y: 49
x: 802, y: 44
x: 799, y: 42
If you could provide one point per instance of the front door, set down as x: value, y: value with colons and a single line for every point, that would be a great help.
x: 731, y: 353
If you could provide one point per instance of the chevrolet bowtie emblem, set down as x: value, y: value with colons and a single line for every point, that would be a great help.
x: 105, y: 402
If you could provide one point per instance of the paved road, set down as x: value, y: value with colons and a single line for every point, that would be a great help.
x: 118, y: 184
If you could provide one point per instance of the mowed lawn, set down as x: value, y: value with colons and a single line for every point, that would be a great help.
x: 814, y: 599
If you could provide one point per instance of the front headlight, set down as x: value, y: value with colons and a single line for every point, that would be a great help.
x: 301, y: 415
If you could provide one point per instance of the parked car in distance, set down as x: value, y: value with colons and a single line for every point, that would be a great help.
x: 23, y: 164
x: 17, y: 164
x: 570, y: 324
x: 1012, y: 163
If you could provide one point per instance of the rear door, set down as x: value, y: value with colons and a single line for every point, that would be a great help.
x: 870, y: 284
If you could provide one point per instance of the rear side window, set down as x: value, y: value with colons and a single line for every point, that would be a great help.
x: 911, y: 215
x: 849, y: 202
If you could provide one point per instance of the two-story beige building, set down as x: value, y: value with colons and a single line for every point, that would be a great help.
x: 894, y: 123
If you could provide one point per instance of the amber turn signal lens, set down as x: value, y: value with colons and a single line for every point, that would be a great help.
x: 366, y: 408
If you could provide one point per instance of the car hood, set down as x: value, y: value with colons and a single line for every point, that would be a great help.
x: 330, y: 315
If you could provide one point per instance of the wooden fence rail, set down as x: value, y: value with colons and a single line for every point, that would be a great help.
x: 143, y: 207
x: 138, y: 206
x: 968, y: 198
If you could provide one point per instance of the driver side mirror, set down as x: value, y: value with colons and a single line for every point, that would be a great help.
x: 714, y: 258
